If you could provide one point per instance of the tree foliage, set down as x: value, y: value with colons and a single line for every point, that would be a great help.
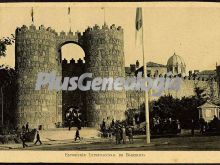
x: 8, y: 85
x: 4, y: 42
x: 184, y: 109
x: 8, y: 76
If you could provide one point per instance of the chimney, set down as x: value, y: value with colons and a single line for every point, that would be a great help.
x: 190, y: 73
x: 137, y: 64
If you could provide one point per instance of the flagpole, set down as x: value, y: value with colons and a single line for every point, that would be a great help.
x: 32, y: 15
x: 104, y: 16
x: 103, y: 8
x: 146, y: 92
x: 70, y: 22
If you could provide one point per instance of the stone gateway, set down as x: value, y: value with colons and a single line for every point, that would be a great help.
x: 39, y: 50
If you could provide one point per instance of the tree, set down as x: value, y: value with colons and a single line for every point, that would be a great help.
x: 184, y: 109
x: 3, y: 44
x: 130, y: 115
x: 200, y: 96
x: 8, y: 90
x: 7, y: 74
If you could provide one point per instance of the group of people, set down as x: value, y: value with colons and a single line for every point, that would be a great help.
x: 118, y: 129
x: 73, y: 117
x: 24, y: 133
x: 167, y: 125
x: 204, y: 126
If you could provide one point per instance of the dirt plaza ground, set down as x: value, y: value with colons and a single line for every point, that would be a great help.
x: 182, y: 142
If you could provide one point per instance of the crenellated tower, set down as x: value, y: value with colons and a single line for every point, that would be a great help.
x: 36, y: 52
x: 104, y: 58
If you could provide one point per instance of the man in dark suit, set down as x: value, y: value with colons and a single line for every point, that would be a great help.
x: 38, y: 138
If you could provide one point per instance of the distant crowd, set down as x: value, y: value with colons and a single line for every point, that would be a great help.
x: 118, y: 129
x: 167, y: 125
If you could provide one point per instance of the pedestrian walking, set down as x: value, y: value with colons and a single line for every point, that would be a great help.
x: 118, y: 135
x: 192, y: 127
x: 77, y: 136
x: 202, y: 125
x: 215, y: 122
x: 113, y: 123
x: 23, y: 139
x: 23, y: 128
x: 27, y: 127
x: 103, y: 124
x: 123, y: 135
x: 130, y: 135
x: 38, y: 138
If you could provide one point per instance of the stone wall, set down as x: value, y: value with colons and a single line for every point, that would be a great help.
x: 189, y: 84
x: 36, y: 52
x: 105, y: 58
x: 136, y: 98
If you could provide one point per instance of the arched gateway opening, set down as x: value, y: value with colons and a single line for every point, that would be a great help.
x: 72, y: 56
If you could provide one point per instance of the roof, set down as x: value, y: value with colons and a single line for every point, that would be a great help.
x: 150, y: 64
x: 153, y: 64
x: 207, y: 72
x: 175, y: 60
x: 208, y: 105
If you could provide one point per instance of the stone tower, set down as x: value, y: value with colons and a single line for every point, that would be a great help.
x: 36, y: 51
x: 104, y: 58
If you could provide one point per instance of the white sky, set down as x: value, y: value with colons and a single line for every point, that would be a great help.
x: 193, y: 32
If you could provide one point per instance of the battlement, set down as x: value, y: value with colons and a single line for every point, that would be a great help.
x: 199, y: 78
x: 42, y: 32
x: 25, y: 30
x: 33, y: 28
x: 105, y: 27
x: 69, y: 34
x: 73, y: 62
x: 112, y: 28
x: 96, y: 28
x: 184, y: 78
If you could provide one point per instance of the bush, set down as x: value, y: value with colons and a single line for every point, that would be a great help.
x: 30, y: 135
x: 4, y: 139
